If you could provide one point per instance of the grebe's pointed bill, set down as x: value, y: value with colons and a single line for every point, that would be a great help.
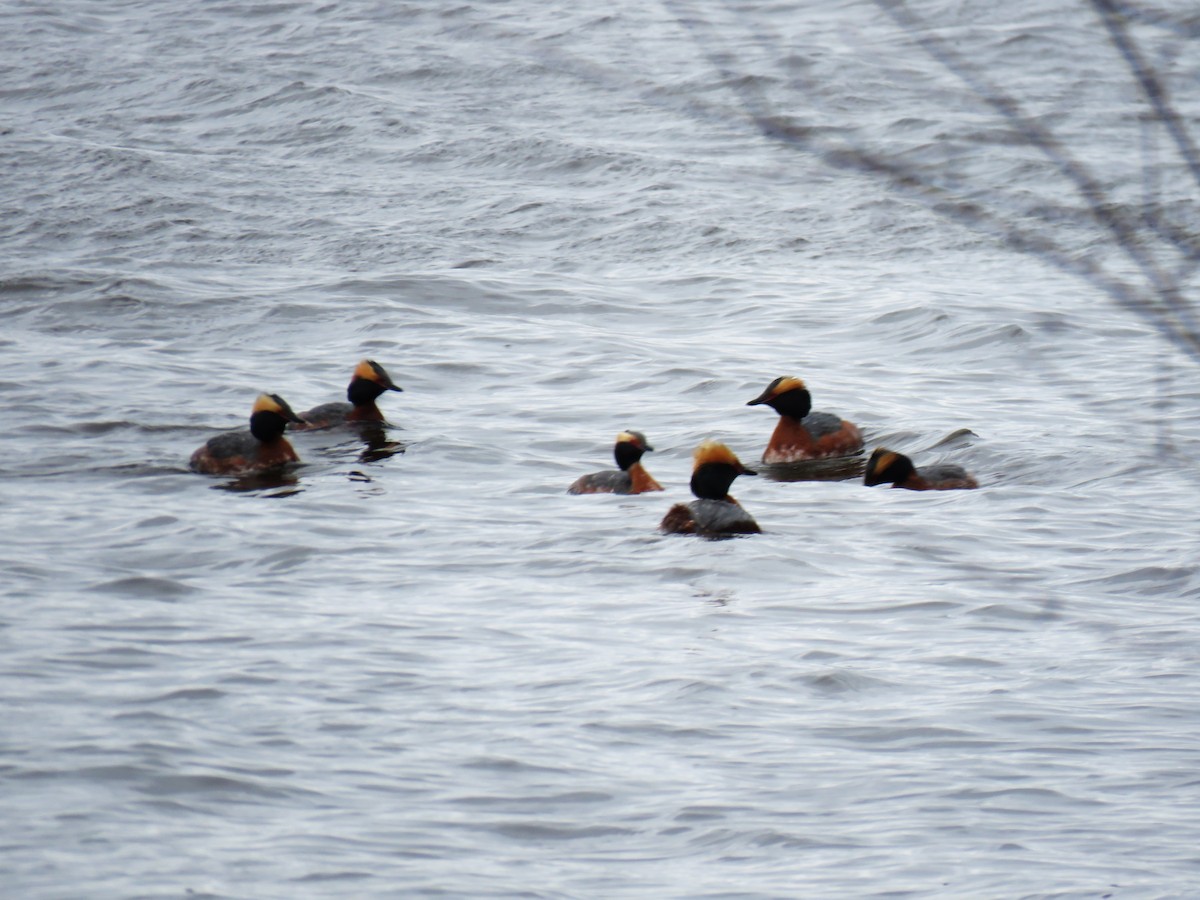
x: 780, y: 385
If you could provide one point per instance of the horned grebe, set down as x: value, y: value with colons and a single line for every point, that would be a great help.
x: 261, y: 448
x: 368, y: 383
x: 630, y: 478
x: 888, y: 466
x: 714, y: 512
x: 801, y: 433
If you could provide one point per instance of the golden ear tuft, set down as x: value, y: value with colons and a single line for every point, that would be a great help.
x: 634, y: 437
x: 714, y: 452
x: 267, y: 403
x: 787, y: 383
x: 881, y: 460
x: 369, y: 370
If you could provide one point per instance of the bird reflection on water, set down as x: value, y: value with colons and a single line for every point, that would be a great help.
x: 838, y: 468
x: 274, y: 484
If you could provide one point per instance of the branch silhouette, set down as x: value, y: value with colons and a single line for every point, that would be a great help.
x: 1023, y: 217
x: 1139, y: 235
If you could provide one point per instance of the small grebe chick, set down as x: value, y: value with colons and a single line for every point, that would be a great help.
x: 801, y: 433
x: 630, y: 478
x: 369, y: 382
x: 261, y: 448
x: 714, y: 512
x: 888, y: 466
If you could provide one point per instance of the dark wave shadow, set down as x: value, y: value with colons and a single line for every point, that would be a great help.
x: 276, y: 484
x: 840, y: 468
x: 373, y: 437
x: 377, y: 446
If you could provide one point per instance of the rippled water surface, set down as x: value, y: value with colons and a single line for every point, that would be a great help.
x: 418, y: 667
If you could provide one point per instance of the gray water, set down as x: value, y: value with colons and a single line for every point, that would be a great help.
x: 422, y: 669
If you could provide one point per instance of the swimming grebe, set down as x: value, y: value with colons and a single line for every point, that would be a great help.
x: 801, y: 433
x: 368, y: 383
x: 630, y: 478
x: 261, y: 448
x: 888, y: 466
x: 714, y: 512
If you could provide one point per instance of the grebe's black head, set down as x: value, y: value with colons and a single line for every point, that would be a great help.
x: 887, y: 467
x: 369, y: 381
x: 787, y: 396
x: 629, y: 448
x: 714, y: 469
x: 270, y: 417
